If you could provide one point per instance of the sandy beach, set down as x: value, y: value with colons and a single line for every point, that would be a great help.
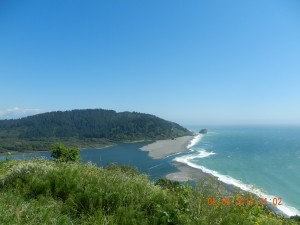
x: 187, y: 173
x: 162, y: 148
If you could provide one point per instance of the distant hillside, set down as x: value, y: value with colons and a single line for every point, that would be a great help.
x: 84, y: 128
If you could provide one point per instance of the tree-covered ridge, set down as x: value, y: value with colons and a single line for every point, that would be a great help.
x: 95, y: 125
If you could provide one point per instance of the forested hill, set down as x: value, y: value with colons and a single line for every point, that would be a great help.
x: 82, y: 127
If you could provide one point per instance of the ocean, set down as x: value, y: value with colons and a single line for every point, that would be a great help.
x: 262, y: 160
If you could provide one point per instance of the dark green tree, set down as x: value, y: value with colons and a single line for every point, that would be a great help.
x: 62, y: 153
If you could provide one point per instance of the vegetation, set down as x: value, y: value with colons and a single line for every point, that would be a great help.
x: 39, y: 191
x: 91, y: 127
x: 64, y: 154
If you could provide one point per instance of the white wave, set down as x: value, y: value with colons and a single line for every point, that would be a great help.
x: 195, y: 140
x: 203, y: 154
x: 288, y: 210
x: 196, y: 154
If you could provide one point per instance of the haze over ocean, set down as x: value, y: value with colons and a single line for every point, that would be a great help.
x: 264, y: 160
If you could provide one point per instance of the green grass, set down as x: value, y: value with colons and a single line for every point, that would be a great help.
x: 45, y: 192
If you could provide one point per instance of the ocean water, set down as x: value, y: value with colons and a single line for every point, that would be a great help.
x: 262, y: 160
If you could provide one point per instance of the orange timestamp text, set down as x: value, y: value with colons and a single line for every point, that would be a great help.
x: 240, y: 201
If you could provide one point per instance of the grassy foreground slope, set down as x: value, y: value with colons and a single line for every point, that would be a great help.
x: 46, y: 192
x: 84, y: 128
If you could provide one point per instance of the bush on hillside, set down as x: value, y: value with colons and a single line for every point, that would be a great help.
x: 62, y: 153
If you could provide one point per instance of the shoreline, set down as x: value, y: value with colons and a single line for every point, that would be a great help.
x: 164, y: 148
x: 187, y: 173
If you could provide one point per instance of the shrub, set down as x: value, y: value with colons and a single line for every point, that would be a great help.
x: 63, y: 154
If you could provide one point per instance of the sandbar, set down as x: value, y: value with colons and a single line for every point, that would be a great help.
x: 162, y: 148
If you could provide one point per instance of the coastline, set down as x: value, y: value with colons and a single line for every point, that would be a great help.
x: 188, y: 173
x: 163, y: 148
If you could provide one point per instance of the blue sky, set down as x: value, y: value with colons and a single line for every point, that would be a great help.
x: 192, y: 62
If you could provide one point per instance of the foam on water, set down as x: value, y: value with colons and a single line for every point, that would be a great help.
x: 195, y: 140
x: 197, y: 153
x: 201, y: 153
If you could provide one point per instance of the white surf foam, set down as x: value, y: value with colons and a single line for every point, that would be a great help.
x: 288, y: 210
x: 196, y: 154
x: 195, y: 140
x: 204, y: 154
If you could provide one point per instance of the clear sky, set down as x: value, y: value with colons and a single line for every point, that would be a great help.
x: 192, y: 62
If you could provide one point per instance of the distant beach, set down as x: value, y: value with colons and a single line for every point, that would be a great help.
x: 162, y: 148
